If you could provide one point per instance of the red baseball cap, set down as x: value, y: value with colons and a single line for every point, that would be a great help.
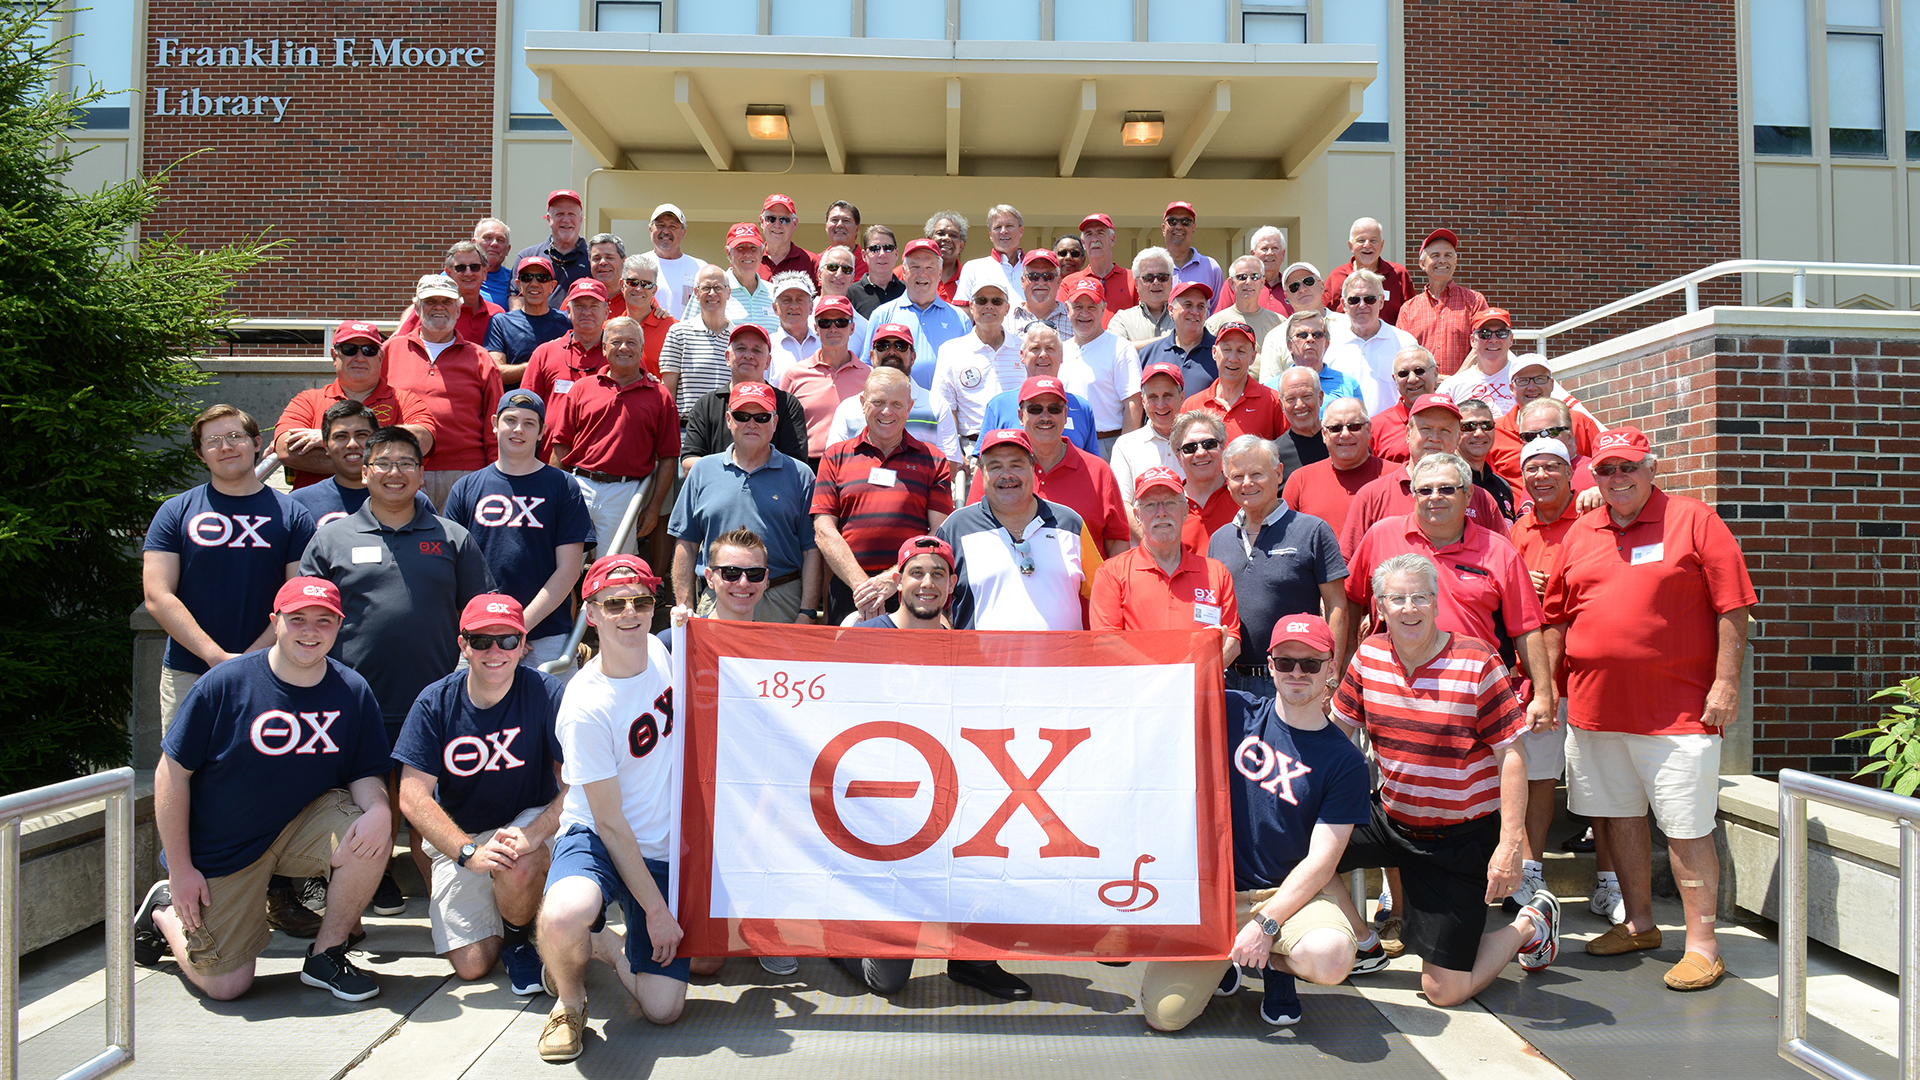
x: 779, y: 200
x: 1621, y: 444
x: 894, y: 330
x: 1166, y: 368
x: 1086, y: 286
x: 925, y: 545
x: 1492, y: 314
x: 1045, y: 255
x: 752, y: 393
x: 1181, y: 287
x: 1180, y: 205
x: 563, y: 193
x: 534, y: 260
x: 922, y: 244
x: 1309, y: 630
x: 1041, y: 385
x: 1441, y: 234
x: 839, y: 304
x: 493, y: 609
x: 745, y: 231
x: 750, y: 328
x: 1004, y: 437
x: 618, y: 570
x: 1234, y: 326
x: 355, y: 330
x: 1433, y: 401
x: 587, y: 287
x: 306, y: 592
x: 1159, y: 476
x: 1101, y: 220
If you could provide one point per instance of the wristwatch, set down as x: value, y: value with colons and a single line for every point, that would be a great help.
x: 812, y: 614
x: 466, y: 852
x: 1267, y: 926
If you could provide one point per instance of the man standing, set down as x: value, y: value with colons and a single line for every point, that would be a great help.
x: 843, y: 230
x: 1434, y: 429
x: 1040, y: 274
x: 1116, y: 282
x: 1100, y: 367
x: 706, y: 430
x: 1160, y: 585
x: 1441, y: 317
x: 948, y: 231
x: 531, y: 523
x: 1415, y: 375
x: 934, y: 321
x: 794, y: 340
x: 1201, y: 439
x: 1533, y: 381
x: 479, y: 783
x: 606, y: 253
x: 1150, y: 445
x: 359, y: 374
x: 1287, y: 838
x: 778, y: 216
x: 455, y: 378
x: 1367, y: 352
x: 1283, y: 562
x: 1268, y: 246
x: 617, y: 737
x: 1005, y: 230
x: 828, y: 377
x: 668, y: 228
x: 1486, y: 375
x: 878, y: 285
x: 345, y: 428
x: 1648, y: 602
x: 1072, y: 254
x: 1018, y: 556
x: 564, y: 248
x: 1301, y: 443
x: 972, y: 369
x: 512, y: 337
x: 1176, y: 228
x: 1365, y: 243
x: 1302, y: 289
x: 1476, y: 438
x: 1068, y: 475
x: 612, y: 431
x: 1326, y: 489
x: 495, y: 240
x: 693, y: 362
x: 640, y: 299
x: 1246, y: 303
x: 750, y: 485
x: 1040, y: 353
x: 468, y: 269
x: 273, y: 767
x: 1247, y: 407
x: 749, y: 299
x: 1190, y: 344
x: 1302, y: 343
x: 1149, y: 319
x: 836, y: 277
x: 556, y: 365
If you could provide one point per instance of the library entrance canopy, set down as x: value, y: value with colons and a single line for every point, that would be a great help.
x: 898, y: 126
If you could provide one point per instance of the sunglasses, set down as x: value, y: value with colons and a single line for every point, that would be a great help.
x: 892, y: 345
x: 833, y: 324
x: 1025, y: 549
x: 468, y: 268
x: 1339, y: 429
x: 1364, y: 301
x: 755, y: 574
x: 1155, y: 279
x: 836, y: 268
x: 1198, y: 445
x: 778, y: 219
x: 742, y: 416
x: 483, y: 642
x: 1410, y: 373
x: 620, y: 605
x: 351, y: 349
x: 1488, y: 335
x: 1287, y: 665
x: 880, y: 248
x: 1545, y: 433
x: 989, y: 301
x: 1034, y: 408
x: 534, y: 279
x: 1041, y: 275
x: 1180, y: 222
x: 1625, y: 468
x: 1307, y: 282
x: 1309, y: 335
x: 1476, y: 425
x: 1447, y: 490
x: 1256, y: 276
x: 640, y: 283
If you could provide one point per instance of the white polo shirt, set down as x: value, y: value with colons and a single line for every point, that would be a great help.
x: 1370, y: 363
x: 990, y: 268
x: 968, y: 373
x: 1139, y: 450
x: 1104, y: 371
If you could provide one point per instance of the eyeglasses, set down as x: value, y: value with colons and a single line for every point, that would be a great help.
x: 755, y: 574
x: 468, y: 268
x: 742, y: 416
x: 1034, y: 408
x: 1489, y: 335
x: 1197, y: 445
x: 350, y: 349
x: 778, y: 219
x: 836, y: 268
x: 989, y: 301
x: 1548, y: 433
x: 1417, y: 599
x: 1287, y: 665
x: 1364, y: 301
x: 392, y: 466
x: 1625, y: 468
x: 878, y: 249
x: 536, y: 279
x: 620, y: 605
x: 1042, y: 275
x: 641, y: 283
x: 1411, y: 373
x: 483, y: 642
x: 1533, y: 380
x: 1476, y: 425
x: 1447, y: 490
x: 1025, y: 550
x: 215, y: 442
x: 1307, y: 282
x: 1180, y: 222
x: 1309, y: 335
x: 1156, y: 279
x: 1255, y: 276
x: 1339, y: 429
x: 1070, y: 253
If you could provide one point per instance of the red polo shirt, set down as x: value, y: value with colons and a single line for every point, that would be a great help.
x: 1481, y: 576
x: 1443, y: 324
x: 1119, y: 286
x: 461, y: 387
x: 1504, y: 458
x: 390, y: 405
x: 654, y: 329
x: 1387, y: 438
x: 1085, y: 484
x: 1322, y: 491
x: 1256, y: 413
x: 471, y: 325
x: 820, y: 389
x: 1399, y: 288
x: 1132, y: 592
x: 553, y: 369
x: 609, y: 428
x: 1641, y: 604
x: 1392, y: 496
x: 881, y: 501
x: 798, y: 259
x: 1197, y: 532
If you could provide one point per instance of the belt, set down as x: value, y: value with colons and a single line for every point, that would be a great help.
x: 1114, y: 434
x: 602, y: 477
x: 1250, y: 670
x: 784, y: 579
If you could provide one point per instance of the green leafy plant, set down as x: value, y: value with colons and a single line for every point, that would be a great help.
x: 1895, y: 750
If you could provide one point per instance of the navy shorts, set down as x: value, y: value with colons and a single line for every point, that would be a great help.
x: 579, y: 853
x: 1444, y: 877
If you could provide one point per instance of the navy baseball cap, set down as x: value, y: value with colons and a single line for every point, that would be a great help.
x: 520, y: 398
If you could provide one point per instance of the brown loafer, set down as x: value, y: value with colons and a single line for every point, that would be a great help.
x: 288, y: 915
x: 1618, y: 939
x: 1695, y: 972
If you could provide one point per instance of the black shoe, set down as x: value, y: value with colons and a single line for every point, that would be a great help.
x: 1229, y: 983
x: 1370, y: 960
x: 149, y: 944
x: 332, y: 971
x: 1113, y: 963
x: 1280, y: 1001
x: 288, y: 915
x: 1581, y: 844
x: 387, y: 899
x: 990, y: 978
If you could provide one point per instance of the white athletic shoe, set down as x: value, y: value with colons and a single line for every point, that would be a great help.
x: 1608, y: 903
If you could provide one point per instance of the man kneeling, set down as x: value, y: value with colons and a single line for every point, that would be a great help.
x: 479, y: 764
x: 276, y: 763
x: 616, y: 732
x: 1299, y: 789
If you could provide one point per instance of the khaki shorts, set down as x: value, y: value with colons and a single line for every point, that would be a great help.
x: 174, y: 685
x: 779, y: 604
x: 1547, y: 750
x: 463, y: 910
x: 438, y: 484
x: 1612, y: 774
x: 1174, y: 992
x: 233, y: 928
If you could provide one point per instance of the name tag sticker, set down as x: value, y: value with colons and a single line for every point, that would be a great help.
x: 367, y: 554
x: 1647, y: 553
x: 1206, y: 614
x: 561, y: 386
x: 882, y: 477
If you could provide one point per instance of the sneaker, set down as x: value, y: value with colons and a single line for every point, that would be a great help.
x: 780, y: 965
x: 331, y: 970
x: 149, y: 944
x: 1385, y: 910
x: 1280, y: 1001
x: 387, y: 899
x: 313, y: 893
x: 560, y: 1039
x: 1229, y: 983
x: 1531, y: 882
x: 525, y: 973
x: 1367, y: 961
x: 1608, y: 903
x: 1546, y: 911
x: 288, y: 915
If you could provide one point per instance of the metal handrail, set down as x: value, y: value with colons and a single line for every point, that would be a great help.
x: 325, y: 327
x: 116, y: 787
x: 628, y: 522
x: 1796, y: 788
x: 1691, y: 284
x: 268, y: 462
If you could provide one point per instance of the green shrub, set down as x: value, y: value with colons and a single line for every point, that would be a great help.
x: 1894, y: 748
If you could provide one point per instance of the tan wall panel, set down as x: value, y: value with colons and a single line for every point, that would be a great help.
x: 97, y: 163
x: 1786, y: 200
x: 530, y: 168
x: 1863, y: 216
x: 1357, y: 185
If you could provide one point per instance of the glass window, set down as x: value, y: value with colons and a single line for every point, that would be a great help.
x: 812, y: 18
x: 1093, y: 20
x: 1364, y: 22
x: 907, y: 19
x: 1910, y: 64
x: 524, y: 111
x: 1853, y: 12
x: 103, y: 55
x: 717, y: 17
x: 1187, y: 20
x: 1000, y: 20
x: 1856, y: 103
x: 1273, y: 28
x: 626, y: 17
x: 1782, y: 88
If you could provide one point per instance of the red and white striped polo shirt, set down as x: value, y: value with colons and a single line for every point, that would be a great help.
x: 1435, y: 733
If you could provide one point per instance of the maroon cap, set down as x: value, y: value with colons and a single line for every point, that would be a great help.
x: 1434, y: 401
x: 779, y: 200
x: 1040, y: 385
x: 1170, y: 370
x: 563, y: 193
x: 1309, y: 630
x: 752, y: 393
x: 1180, y: 205
x: 922, y: 244
x: 534, y: 260
x: 618, y: 570
x: 1182, y: 287
x: 493, y: 609
x: 1044, y: 255
x: 893, y: 330
x: 833, y: 304
x: 306, y: 592
x: 1441, y: 234
x: 1101, y: 220
x: 1158, y: 476
x: 1621, y: 444
x: 925, y: 545
x: 355, y: 330
x: 587, y: 287
x: 1086, y: 286
x: 752, y: 329
x: 1233, y: 327
x: 1492, y: 314
x: 742, y: 232
x: 1004, y: 437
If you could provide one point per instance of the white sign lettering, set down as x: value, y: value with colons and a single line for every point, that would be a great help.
x: 195, y: 101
